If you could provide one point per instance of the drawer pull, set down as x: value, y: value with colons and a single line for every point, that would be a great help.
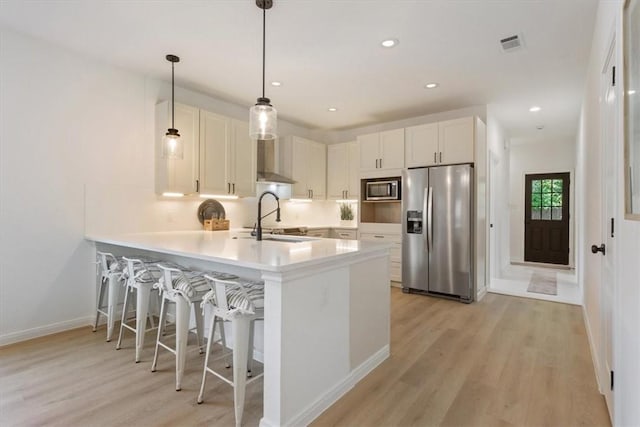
x: 378, y: 237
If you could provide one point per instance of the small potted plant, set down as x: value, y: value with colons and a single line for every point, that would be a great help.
x: 346, y: 214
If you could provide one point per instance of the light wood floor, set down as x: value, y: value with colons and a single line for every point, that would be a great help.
x: 504, y: 361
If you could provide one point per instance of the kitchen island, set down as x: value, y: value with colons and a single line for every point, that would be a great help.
x: 326, y: 308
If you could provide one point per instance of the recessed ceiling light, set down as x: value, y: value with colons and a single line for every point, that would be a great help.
x: 431, y: 85
x: 631, y: 92
x: 276, y: 84
x: 535, y: 109
x: 389, y: 42
x: 540, y: 127
x: 332, y: 109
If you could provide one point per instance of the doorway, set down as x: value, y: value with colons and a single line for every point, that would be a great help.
x: 546, y: 222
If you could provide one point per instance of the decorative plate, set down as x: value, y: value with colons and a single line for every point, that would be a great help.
x: 210, y: 209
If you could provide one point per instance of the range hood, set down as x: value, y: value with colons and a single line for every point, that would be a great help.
x: 267, y: 164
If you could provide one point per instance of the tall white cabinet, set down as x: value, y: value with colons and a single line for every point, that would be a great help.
x: 343, y: 164
x: 177, y: 175
x: 219, y: 157
x: 305, y: 162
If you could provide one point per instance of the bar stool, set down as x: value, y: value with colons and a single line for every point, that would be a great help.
x: 184, y: 288
x: 110, y: 271
x: 140, y: 275
x: 240, y: 302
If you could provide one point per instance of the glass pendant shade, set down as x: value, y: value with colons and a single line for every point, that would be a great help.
x: 263, y: 121
x: 172, y: 146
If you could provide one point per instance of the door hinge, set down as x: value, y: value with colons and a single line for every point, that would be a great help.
x: 611, y: 380
x: 613, y: 75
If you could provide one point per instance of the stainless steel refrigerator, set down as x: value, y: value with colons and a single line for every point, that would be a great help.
x: 438, y: 235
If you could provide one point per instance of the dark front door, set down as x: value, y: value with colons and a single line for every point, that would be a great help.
x: 546, y: 221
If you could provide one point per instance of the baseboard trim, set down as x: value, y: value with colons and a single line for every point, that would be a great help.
x: 306, y: 416
x: 592, y: 347
x: 481, y: 293
x: 28, y: 334
x: 533, y: 295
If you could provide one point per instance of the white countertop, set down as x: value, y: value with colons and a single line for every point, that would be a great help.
x: 220, y: 246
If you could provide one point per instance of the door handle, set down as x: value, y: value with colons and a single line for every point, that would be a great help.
x: 595, y: 249
x: 429, y: 218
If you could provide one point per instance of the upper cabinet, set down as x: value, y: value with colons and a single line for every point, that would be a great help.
x: 448, y: 142
x: 219, y: 157
x: 382, y: 150
x: 305, y: 162
x: 343, y: 178
x: 177, y: 175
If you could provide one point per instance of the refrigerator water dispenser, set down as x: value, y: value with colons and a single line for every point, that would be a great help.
x: 414, y: 222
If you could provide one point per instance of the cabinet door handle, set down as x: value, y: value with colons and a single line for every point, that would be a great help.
x: 228, y: 187
x: 435, y: 158
x: 380, y: 163
x: 378, y: 237
x: 197, y: 185
x: 441, y: 157
x: 312, y: 194
x: 234, y: 187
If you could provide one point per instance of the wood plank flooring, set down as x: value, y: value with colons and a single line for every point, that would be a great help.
x: 505, y: 361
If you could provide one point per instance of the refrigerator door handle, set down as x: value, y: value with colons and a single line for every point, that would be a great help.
x: 429, y: 212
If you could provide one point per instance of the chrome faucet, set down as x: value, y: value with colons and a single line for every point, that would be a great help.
x: 260, y: 217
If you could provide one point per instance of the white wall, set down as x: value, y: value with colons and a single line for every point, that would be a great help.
x: 537, y: 157
x: 498, y: 171
x: 77, y: 157
x: 590, y: 228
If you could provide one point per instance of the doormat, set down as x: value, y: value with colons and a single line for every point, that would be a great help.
x: 542, y: 283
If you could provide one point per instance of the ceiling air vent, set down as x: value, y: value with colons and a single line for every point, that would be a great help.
x: 511, y: 44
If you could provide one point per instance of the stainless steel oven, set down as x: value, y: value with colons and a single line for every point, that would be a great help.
x: 385, y: 189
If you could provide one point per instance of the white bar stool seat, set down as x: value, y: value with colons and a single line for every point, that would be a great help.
x: 184, y: 288
x: 240, y: 302
x: 140, y: 275
x: 110, y: 272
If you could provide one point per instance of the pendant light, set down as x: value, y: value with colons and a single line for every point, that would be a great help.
x: 172, y: 147
x: 263, y: 118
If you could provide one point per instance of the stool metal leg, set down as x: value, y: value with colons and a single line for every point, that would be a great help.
x: 142, y: 310
x: 199, y: 327
x: 125, y: 311
x: 183, y: 313
x: 99, y: 302
x: 112, y: 302
x: 161, y: 321
x: 206, y: 357
x: 240, y: 328
x: 250, y: 357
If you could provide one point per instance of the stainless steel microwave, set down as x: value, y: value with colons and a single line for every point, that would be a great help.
x: 383, y: 190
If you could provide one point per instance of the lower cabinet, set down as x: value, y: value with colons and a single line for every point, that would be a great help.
x: 342, y: 233
x: 318, y: 232
x: 395, y: 266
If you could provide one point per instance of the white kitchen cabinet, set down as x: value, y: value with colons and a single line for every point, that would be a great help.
x: 242, y: 154
x: 305, y: 162
x: 177, y: 175
x: 219, y: 157
x: 227, y: 156
x: 395, y: 261
x: 382, y: 150
x: 344, y: 233
x: 214, y: 139
x: 318, y: 232
x: 442, y: 143
x: 343, y: 173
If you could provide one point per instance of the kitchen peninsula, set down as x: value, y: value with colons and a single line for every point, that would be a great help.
x: 326, y: 307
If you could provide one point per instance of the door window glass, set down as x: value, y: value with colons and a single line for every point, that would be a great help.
x: 546, y: 199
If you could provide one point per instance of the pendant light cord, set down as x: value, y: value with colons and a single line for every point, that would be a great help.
x: 173, y: 102
x: 264, y: 24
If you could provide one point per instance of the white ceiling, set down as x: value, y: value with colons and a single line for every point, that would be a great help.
x: 328, y: 53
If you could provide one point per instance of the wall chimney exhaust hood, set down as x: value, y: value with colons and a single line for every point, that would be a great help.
x: 267, y: 164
